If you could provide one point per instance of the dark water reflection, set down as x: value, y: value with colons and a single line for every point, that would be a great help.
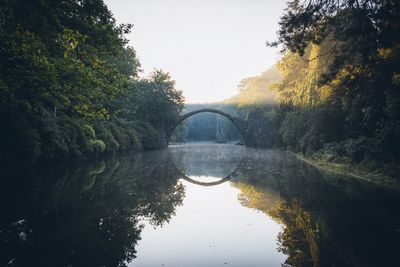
x: 329, y: 220
x: 95, y: 213
x: 87, y: 214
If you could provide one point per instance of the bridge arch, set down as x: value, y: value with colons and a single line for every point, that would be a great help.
x: 239, y: 123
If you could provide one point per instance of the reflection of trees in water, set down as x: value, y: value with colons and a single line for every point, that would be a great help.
x: 300, y: 237
x: 328, y: 220
x: 88, y: 214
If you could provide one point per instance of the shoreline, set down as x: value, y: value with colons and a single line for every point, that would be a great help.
x: 353, y: 171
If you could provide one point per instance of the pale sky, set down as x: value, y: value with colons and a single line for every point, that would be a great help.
x: 207, y: 46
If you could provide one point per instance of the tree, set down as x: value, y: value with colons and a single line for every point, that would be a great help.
x: 155, y: 100
x: 64, y: 66
x: 347, y: 53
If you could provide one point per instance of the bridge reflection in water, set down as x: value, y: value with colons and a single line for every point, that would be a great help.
x: 194, y: 161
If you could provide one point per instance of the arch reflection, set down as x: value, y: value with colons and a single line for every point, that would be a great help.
x: 206, y: 160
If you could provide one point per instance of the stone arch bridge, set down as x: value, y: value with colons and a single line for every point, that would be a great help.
x: 241, y: 124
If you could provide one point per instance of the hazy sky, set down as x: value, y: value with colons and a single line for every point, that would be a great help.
x: 207, y: 46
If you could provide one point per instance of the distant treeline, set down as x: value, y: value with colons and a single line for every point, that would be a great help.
x: 69, y: 84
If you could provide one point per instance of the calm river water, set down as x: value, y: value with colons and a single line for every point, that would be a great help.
x: 197, y: 204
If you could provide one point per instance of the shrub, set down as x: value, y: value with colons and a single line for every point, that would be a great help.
x: 89, y: 132
x: 72, y: 132
x: 334, y: 152
x: 98, y: 146
x: 349, y: 150
x: 103, y: 133
x: 120, y: 136
x: 356, y: 148
x: 131, y: 133
x: 149, y: 137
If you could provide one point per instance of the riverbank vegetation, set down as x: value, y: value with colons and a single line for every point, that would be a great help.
x: 345, y: 105
x: 70, y: 85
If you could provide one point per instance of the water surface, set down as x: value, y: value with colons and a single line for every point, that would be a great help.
x: 211, y: 227
x: 196, y: 205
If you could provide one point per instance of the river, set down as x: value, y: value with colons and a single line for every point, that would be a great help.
x: 196, y: 204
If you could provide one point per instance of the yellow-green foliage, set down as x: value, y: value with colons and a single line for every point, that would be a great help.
x: 89, y: 131
x: 299, y: 238
x: 256, y: 91
x: 300, y: 85
x: 340, y: 79
x: 98, y: 146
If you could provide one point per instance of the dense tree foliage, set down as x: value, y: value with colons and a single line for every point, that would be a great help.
x: 340, y: 89
x: 159, y: 90
x: 69, y: 83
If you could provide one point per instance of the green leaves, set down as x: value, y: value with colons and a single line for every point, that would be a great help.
x: 74, y: 63
x: 70, y: 40
x: 154, y: 99
x: 69, y: 61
